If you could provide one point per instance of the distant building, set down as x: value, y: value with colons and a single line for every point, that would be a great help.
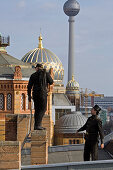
x: 66, y: 127
x: 103, y: 116
x: 110, y: 116
x: 73, y: 93
x: 85, y: 111
x: 104, y: 102
x: 61, y: 105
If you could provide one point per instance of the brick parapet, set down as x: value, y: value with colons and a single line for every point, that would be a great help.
x: 17, y: 127
x: 10, y: 155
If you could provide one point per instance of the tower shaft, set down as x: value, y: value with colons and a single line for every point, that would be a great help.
x: 71, y: 53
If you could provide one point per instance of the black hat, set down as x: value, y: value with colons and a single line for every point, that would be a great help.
x: 38, y: 65
x: 97, y: 108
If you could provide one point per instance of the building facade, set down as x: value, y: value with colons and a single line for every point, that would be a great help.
x: 14, y: 106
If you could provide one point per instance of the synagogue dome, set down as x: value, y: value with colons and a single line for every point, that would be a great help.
x: 72, y: 86
x: 47, y: 58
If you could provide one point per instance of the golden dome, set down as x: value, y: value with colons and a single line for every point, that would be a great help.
x: 47, y: 59
x: 72, y: 86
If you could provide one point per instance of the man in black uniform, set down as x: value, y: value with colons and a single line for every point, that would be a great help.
x: 39, y: 81
x: 93, y: 128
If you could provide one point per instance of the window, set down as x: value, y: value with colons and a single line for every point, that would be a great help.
x: 27, y: 103
x: 1, y: 101
x: 77, y: 141
x: 70, y: 141
x: 27, y: 107
x: 9, y: 101
x: 23, y: 101
x: 73, y: 141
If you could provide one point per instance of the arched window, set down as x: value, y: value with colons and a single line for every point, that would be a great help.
x: 70, y: 141
x: 27, y: 103
x: 27, y: 107
x: 77, y: 141
x: 74, y: 141
x: 9, y: 101
x: 1, y: 101
x: 23, y: 101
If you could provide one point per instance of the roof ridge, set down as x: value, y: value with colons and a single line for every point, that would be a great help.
x: 7, y: 61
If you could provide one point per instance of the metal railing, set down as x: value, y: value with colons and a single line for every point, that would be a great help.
x: 108, y: 137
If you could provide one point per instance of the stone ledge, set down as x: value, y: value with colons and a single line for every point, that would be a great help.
x: 91, y: 165
x: 9, y: 143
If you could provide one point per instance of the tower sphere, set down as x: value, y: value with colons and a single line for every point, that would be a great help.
x: 71, y: 8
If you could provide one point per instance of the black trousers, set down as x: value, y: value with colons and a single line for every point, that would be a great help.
x: 40, y: 104
x: 91, y: 149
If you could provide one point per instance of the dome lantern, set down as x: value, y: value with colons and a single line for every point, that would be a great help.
x: 40, y: 42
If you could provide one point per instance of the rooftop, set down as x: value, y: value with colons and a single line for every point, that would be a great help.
x: 8, y: 63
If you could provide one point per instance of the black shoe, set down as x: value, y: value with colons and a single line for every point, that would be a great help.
x: 39, y: 128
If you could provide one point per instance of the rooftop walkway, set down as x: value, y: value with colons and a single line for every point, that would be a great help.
x: 70, y: 157
x: 63, y: 154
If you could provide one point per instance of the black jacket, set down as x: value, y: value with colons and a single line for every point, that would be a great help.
x: 36, y: 80
x: 93, y: 128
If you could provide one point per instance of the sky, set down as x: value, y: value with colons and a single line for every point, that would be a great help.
x: 23, y: 19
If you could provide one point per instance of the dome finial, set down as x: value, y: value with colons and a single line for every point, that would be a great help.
x: 73, y: 77
x: 40, y: 40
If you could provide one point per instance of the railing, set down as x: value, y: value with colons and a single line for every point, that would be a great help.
x: 107, y: 138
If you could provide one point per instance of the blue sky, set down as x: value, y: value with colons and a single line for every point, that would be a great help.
x: 22, y: 20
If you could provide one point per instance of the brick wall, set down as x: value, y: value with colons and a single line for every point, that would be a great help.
x: 2, y: 130
x: 16, y: 127
x: 10, y: 155
x: 11, y: 127
x: 39, y: 147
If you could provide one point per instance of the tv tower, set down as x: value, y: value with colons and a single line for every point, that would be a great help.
x: 71, y: 8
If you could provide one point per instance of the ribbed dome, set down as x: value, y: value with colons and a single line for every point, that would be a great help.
x: 70, y: 123
x: 47, y: 58
x: 72, y: 86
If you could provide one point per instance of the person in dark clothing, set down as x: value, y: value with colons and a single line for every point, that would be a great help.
x: 93, y: 128
x: 39, y: 81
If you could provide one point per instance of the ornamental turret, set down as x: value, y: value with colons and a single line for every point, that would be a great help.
x: 4, y: 42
